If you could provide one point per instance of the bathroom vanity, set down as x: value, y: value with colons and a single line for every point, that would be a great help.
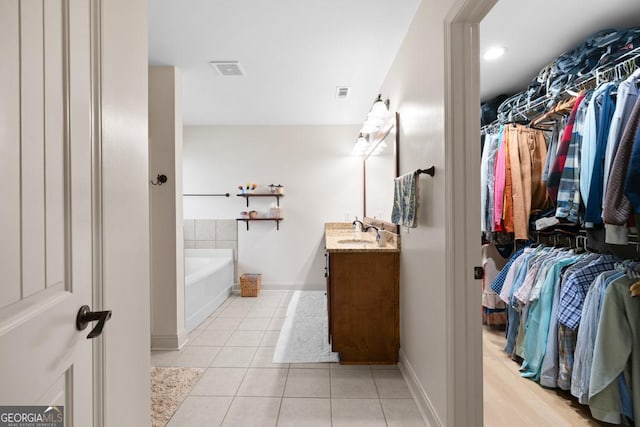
x: 362, y: 294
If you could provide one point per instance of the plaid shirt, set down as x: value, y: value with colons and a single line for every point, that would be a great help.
x: 566, y: 348
x: 498, y: 282
x: 568, y: 204
x: 555, y: 175
x: 575, y: 290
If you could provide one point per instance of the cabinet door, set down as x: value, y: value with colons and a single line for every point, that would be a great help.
x: 327, y: 275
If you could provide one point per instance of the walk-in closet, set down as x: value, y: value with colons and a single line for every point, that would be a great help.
x: 560, y: 213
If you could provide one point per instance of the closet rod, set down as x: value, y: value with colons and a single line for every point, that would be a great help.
x: 209, y: 195
x: 611, y: 72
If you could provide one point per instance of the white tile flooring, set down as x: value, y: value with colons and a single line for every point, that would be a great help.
x: 241, y: 387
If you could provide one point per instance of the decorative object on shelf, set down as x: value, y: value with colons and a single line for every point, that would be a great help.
x: 160, y: 179
x: 375, y: 128
x: 276, y: 189
x: 275, y: 212
x: 247, y: 187
x: 244, y: 214
x: 253, y: 214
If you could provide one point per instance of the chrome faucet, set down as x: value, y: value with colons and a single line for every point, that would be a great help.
x: 355, y: 225
x: 367, y: 227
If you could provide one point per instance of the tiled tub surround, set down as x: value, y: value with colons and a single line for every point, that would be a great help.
x: 213, y: 234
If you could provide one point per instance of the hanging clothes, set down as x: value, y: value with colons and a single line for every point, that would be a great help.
x: 617, y: 206
x: 555, y: 175
x: 569, y: 200
x: 494, y: 309
x: 593, y: 201
x: 628, y: 92
x: 617, y: 339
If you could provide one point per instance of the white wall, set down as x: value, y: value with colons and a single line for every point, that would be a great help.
x: 165, y: 209
x: 415, y: 85
x: 322, y: 182
x: 123, y: 127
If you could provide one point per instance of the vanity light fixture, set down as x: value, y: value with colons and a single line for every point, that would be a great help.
x: 376, y: 124
x: 361, y: 145
x: 380, y: 108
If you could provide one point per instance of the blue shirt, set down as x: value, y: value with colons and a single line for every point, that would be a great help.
x: 538, y: 321
x: 498, y: 282
x: 575, y: 290
x: 593, y: 205
x: 583, y: 355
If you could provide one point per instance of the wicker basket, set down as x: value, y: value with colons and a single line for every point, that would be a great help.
x: 250, y: 285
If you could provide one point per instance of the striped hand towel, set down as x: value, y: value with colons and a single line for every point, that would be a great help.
x: 405, y: 200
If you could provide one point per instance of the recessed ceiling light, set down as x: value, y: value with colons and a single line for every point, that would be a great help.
x: 494, y: 53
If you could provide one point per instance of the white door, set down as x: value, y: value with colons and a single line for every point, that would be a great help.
x: 46, y: 196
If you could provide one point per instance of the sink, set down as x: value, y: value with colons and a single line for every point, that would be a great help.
x: 356, y: 241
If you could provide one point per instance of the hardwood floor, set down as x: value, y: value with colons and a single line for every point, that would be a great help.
x: 510, y: 400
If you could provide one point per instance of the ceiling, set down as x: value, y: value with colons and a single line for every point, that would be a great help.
x: 296, y: 52
x: 535, y: 35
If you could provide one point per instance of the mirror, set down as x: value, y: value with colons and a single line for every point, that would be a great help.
x: 381, y: 166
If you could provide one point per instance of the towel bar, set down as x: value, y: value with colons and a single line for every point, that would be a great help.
x: 430, y: 171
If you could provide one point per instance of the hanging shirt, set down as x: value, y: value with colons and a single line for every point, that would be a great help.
x: 538, y: 320
x: 573, y: 293
x: 568, y: 205
x: 626, y: 98
x: 617, y: 205
x: 590, y: 139
x: 500, y: 171
x: 492, y: 263
x: 487, y: 167
x: 618, y: 337
x: 583, y: 357
x: 632, y: 183
x: 593, y: 204
x: 556, y: 136
x: 499, y: 281
x: 558, y: 166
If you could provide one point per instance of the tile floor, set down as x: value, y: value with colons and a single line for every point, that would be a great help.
x: 241, y: 387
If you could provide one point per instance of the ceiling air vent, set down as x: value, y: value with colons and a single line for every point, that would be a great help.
x: 227, y: 68
x: 342, y: 92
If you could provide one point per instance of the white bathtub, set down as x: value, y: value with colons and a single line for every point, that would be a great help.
x: 208, y: 282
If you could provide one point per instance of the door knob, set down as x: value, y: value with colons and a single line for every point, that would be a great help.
x: 85, y: 315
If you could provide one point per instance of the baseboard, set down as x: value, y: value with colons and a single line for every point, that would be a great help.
x: 169, y: 342
x: 287, y: 287
x: 417, y: 391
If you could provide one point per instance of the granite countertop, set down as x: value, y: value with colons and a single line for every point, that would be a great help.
x: 340, y: 237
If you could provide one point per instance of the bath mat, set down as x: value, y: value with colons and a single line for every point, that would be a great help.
x: 303, y: 338
x: 169, y: 387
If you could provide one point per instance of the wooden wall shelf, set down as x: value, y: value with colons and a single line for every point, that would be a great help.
x: 247, y: 220
x: 247, y: 196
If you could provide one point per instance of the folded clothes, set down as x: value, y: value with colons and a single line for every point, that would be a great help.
x: 546, y: 222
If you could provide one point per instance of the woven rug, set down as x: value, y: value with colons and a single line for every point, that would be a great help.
x: 169, y: 387
x: 303, y: 338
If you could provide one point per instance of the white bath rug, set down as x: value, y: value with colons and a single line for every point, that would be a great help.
x: 303, y: 338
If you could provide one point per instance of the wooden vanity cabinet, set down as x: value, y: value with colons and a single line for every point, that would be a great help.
x: 363, y: 303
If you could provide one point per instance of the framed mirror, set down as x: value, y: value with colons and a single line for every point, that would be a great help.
x: 380, y: 166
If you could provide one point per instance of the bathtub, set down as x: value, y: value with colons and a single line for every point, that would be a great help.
x: 208, y: 282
